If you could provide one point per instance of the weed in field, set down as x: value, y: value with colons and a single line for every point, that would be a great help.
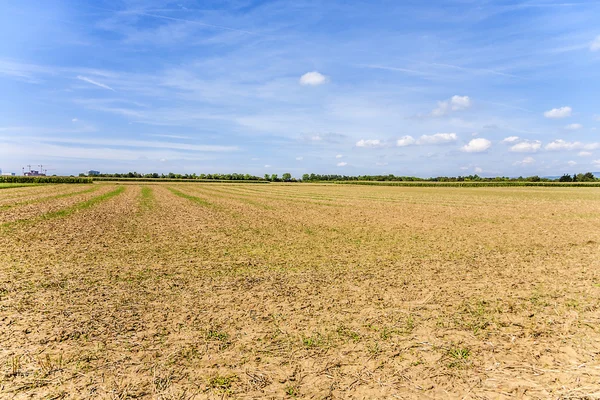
x: 459, y: 357
x: 348, y: 333
x: 312, y: 341
x: 291, y: 391
x: 14, y: 364
x: 222, y: 383
x: 48, y: 365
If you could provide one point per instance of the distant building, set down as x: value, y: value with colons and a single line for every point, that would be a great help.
x: 93, y: 173
x: 33, y: 172
x: 7, y: 173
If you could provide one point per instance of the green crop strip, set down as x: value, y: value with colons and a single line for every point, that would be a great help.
x: 70, y: 210
x: 58, y: 196
x: 195, y: 199
x: 147, y: 198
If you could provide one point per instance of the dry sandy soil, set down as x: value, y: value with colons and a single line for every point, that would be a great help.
x: 194, y: 291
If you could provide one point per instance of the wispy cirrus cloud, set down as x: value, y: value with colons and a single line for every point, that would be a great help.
x: 95, y: 83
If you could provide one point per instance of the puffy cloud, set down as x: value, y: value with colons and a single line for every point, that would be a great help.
x: 437, y: 138
x: 267, y: 166
x: 323, y: 137
x: 510, y: 139
x: 573, y: 127
x: 526, y: 146
x: 339, y: 156
x: 313, y: 78
x: 478, y: 170
x: 299, y: 158
x: 477, y: 145
x: 564, y: 145
x: 584, y: 154
x: 562, y: 112
x: 405, y: 141
x: 595, y: 45
x: 342, y: 164
x: 455, y: 103
x: 571, y: 163
x: 369, y: 143
x: 525, y: 161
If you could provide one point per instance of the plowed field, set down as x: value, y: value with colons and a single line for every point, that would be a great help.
x: 194, y: 291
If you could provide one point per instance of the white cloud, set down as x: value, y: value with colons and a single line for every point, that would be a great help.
x: 299, y: 158
x: 526, y: 146
x: 405, y: 141
x: 437, y: 138
x: 342, y: 164
x: 564, y: 145
x: 339, y: 156
x: 511, y: 139
x: 584, y: 154
x: 478, y: 170
x: 267, y: 166
x: 573, y: 127
x: 571, y: 163
x: 74, y: 120
x: 369, y: 143
x: 595, y: 45
x: 313, y: 78
x: 596, y: 162
x: 455, y: 103
x: 562, y: 112
x: 525, y: 161
x: 316, y: 138
x: 477, y: 145
x: 96, y: 83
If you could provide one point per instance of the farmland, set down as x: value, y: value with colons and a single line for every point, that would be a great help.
x: 179, y: 291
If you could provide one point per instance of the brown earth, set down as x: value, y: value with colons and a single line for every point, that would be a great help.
x: 184, y: 291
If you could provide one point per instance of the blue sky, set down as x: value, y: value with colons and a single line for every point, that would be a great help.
x: 443, y: 87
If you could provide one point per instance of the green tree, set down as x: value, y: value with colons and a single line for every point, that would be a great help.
x: 565, y: 178
x: 286, y: 177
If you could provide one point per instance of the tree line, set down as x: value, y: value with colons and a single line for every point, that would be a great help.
x: 287, y: 177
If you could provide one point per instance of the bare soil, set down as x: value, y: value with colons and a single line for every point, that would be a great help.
x: 211, y: 291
